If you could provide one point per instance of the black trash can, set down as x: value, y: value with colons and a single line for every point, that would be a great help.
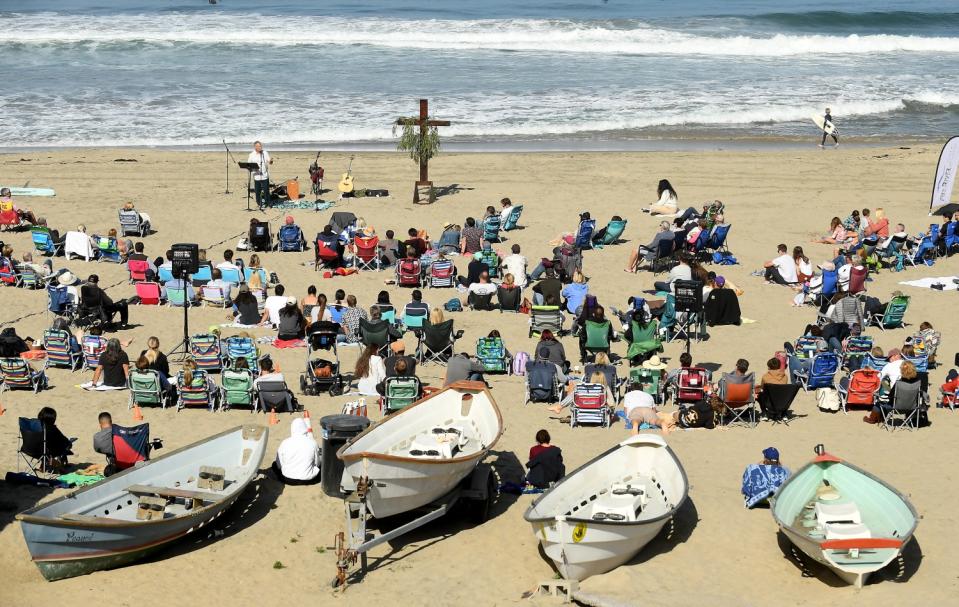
x: 337, y: 430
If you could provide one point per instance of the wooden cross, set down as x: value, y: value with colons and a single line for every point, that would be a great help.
x: 424, y: 121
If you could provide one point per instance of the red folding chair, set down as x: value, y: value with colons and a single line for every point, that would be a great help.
x: 366, y: 253
x: 138, y: 269
x: 326, y: 255
x: 149, y: 293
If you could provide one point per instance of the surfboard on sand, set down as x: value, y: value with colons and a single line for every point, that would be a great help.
x: 824, y: 125
x: 32, y: 191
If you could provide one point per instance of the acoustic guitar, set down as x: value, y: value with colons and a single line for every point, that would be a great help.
x: 346, y: 182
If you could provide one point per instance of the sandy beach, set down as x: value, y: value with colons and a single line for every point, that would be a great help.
x: 719, y: 553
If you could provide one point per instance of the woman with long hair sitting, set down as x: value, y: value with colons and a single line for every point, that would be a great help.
x: 369, y: 371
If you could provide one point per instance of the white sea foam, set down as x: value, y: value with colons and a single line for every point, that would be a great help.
x: 629, y: 37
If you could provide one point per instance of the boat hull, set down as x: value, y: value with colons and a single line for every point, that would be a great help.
x: 97, y: 528
x: 582, y: 550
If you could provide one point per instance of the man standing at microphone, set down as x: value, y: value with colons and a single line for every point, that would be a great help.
x: 261, y: 177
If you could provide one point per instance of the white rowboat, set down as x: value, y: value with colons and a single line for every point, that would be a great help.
x: 602, y: 514
x: 423, y: 451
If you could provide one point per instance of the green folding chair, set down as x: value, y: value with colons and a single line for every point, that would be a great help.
x: 236, y: 389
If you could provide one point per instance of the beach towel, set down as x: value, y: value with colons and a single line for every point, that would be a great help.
x: 100, y: 387
x: 761, y: 481
x: 75, y: 479
x: 289, y: 343
x: 926, y: 283
x: 319, y: 205
x: 78, y: 243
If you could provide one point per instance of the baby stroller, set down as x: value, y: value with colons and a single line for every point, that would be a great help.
x: 322, y: 375
x: 316, y: 175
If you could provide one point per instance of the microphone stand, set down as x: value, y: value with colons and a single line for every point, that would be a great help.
x: 229, y: 157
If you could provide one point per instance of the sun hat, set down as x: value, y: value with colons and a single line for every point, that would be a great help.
x: 771, y: 453
x: 67, y: 279
x: 447, y: 225
x: 654, y: 362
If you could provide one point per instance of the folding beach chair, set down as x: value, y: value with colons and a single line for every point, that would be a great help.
x: 738, y: 401
x: 859, y: 389
x: 584, y: 234
x: 442, y: 274
x: 10, y: 220
x: 326, y: 255
x: 130, y: 446
x: 138, y: 269
x: 904, y: 408
x: 261, y: 239
x: 413, y: 320
x: 409, y: 273
x: 177, y: 298
x: 59, y: 353
x: 716, y: 243
x: 492, y: 354
x: 589, y: 406
x: 205, y: 351
x: 596, y: 337
x: 8, y: 274
x: 375, y: 333
x: 290, y: 239
x: 854, y: 350
x: 542, y: 318
x: 892, y: 318
x: 237, y: 347
x: 821, y: 373
x: 203, y: 275
x: 236, y: 389
x: 400, y: 392
x: 892, y: 251
x: 149, y: 293
x: 662, y: 257
x: 491, y: 227
x: 509, y: 300
x: 32, y: 450
x: 145, y: 389
x: 17, y: 374
x: 107, y: 249
x: 92, y: 347
x: 249, y: 272
x: 777, y: 400
x: 366, y: 252
x: 857, y: 280
x: 29, y: 278
x: 612, y: 379
x: 197, y: 394
x: 436, y: 342
x: 491, y: 259
x: 650, y: 382
x: 43, y: 241
x: 131, y: 222
x: 542, y: 382
x: 233, y: 276
x: 614, y: 229
x: 274, y: 395
x: 691, y: 386
x: 513, y: 218
x: 213, y: 296
x: 164, y: 275
x: 645, y: 341
x: 873, y: 362
x: 475, y: 301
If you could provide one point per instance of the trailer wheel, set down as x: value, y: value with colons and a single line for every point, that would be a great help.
x: 481, y: 509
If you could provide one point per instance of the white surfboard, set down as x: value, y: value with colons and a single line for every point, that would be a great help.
x: 32, y: 191
x: 824, y: 124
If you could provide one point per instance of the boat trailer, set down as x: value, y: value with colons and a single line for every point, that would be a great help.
x: 480, y: 488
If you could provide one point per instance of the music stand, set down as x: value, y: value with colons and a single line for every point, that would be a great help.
x: 250, y: 167
x: 689, y: 302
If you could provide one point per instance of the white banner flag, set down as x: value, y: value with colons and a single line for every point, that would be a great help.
x: 945, y: 175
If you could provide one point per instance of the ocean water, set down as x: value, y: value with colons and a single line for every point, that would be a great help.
x: 547, y: 73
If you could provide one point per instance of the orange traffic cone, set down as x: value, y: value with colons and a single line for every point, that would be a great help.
x: 273, y: 419
x: 137, y: 414
x: 309, y: 422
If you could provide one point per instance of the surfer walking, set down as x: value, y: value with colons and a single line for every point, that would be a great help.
x: 827, y: 120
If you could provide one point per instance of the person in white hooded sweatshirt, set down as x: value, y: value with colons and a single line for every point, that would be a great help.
x: 298, y: 457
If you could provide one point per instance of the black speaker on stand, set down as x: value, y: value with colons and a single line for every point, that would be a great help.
x: 186, y: 262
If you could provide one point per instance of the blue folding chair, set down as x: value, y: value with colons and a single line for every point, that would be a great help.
x: 43, y: 241
x: 584, y: 234
x: 513, y: 218
x: 231, y: 276
x: 491, y: 227
x: 821, y: 373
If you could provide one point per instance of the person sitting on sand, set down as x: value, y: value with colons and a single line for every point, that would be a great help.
x: 449, y: 241
x: 114, y: 367
x: 668, y: 200
x: 298, y: 457
x: 760, y: 481
x: 545, y: 462
x: 474, y: 268
x: 649, y: 251
x: 471, y: 237
x: 782, y: 269
x: 463, y: 367
x: 369, y: 371
x: 836, y: 235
